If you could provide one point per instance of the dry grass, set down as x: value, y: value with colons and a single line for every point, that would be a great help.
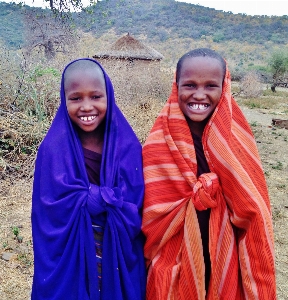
x: 27, y: 111
x: 20, y: 136
x: 268, y: 101
x: 250, y: 85
x: 272, y: 144
x: 15, y: 206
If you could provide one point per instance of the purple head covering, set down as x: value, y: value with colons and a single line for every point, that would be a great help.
x: 64, y: 204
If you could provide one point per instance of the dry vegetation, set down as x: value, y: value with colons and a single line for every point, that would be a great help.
x: 29, y: 98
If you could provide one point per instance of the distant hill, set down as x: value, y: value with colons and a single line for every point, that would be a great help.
x: 11, y: 25
x: 171, y: 27
x: 159, y: 20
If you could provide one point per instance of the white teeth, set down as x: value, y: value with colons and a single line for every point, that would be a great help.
x: 198, y: 106
x: 89, y: 118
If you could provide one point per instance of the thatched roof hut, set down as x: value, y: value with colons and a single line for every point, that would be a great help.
x: 134, y: 69
x: 129, y: 48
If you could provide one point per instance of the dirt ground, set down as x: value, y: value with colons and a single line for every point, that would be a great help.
x: 15, y: 205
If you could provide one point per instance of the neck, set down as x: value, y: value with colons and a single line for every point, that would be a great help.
x: 92, y: 140
x: 197, y: 127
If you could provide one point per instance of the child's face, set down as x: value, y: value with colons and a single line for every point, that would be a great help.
x: 86, y: 98
x: 200, y: 87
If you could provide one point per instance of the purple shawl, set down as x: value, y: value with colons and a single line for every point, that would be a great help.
x: 64, y: 204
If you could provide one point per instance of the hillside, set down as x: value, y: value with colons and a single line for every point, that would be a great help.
x: 163, y: 19
x: 159, y: 20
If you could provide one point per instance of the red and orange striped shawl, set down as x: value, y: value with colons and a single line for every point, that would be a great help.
x: 240, y: 226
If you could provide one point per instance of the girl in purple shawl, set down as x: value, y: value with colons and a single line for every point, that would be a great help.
x: 87, y: 196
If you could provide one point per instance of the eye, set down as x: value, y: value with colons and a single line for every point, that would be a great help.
x: 96, y: 96
x: 190, y: 85
x: 74, y: 98
x: 212, y: 85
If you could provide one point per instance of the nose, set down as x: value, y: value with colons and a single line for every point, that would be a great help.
x: 86, y: 105
x: 199, y: 94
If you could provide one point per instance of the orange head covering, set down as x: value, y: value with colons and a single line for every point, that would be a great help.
x: 240, y: 225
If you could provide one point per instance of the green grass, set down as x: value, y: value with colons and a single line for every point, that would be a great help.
x: 268, y: 100
x: 278, y: 166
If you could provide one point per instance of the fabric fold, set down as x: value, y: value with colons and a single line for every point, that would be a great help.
x: 204, y: 191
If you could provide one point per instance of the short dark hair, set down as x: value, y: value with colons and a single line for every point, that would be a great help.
x: 81, y: 64
x: 200, y: 52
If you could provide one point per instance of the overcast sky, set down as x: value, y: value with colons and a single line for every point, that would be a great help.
x: 249, y: 7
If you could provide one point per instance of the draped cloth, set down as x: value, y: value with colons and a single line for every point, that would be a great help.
x: 64, y: 205
x: 241, y: 243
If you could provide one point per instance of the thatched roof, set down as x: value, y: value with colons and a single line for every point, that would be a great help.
x: 127, y: 47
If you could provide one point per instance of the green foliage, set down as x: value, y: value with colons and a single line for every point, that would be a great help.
x: 268, y: 92
x: 254, y: 105
x: 279, y: 62
x: 278, y: 166
x: 158, y: 20
x: 25, y: 259
x: 11, y: 25
x: 6, y: 144
x: 15, y: 230
x: 218, y: 37
x: 253, y: 124
x: 5, y: 244
x: 260, y: 68
x: 35, y: 95
x: 39, y: 71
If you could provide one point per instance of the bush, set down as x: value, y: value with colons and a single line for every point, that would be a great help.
x: 250, y: 85
x: 30, y: 99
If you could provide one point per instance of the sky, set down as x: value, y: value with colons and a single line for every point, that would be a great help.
x: 249, y: 7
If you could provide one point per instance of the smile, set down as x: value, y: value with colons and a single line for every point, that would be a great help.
x: 89, y: 118
x: 198, y: 106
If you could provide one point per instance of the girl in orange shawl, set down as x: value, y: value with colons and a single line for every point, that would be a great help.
x: 207, y: 215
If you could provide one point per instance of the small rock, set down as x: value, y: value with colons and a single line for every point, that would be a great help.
x: 14, y: 265
x: 8, y: 256
x: 20, y: 239
x: 22, y: 249
x: 280, y: 123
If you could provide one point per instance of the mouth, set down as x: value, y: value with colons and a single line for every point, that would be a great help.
x: 88, y: 118
x: 198, y: 106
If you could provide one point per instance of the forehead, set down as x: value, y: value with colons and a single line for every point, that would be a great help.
x: 202, y: 64
x: 80, y: 74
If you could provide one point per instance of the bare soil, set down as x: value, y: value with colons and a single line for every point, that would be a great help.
x: 15, y: 208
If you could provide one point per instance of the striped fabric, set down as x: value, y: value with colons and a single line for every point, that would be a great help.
x: 240, y: 226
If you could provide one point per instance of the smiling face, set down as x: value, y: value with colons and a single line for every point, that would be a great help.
x: 199, y: 88
x: 86, y: 98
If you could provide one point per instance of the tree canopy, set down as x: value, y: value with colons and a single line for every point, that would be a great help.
x: 279, y: 63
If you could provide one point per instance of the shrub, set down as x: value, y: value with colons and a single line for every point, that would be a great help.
x: 250, y: 85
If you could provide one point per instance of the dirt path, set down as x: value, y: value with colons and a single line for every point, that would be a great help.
x: 15, y: 206
x: 258, y: 117
x: 273, y: 145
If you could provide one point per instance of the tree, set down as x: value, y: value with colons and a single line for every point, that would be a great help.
x: 278, y: 64
x: 47, y: 33
x: 67, y: 5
